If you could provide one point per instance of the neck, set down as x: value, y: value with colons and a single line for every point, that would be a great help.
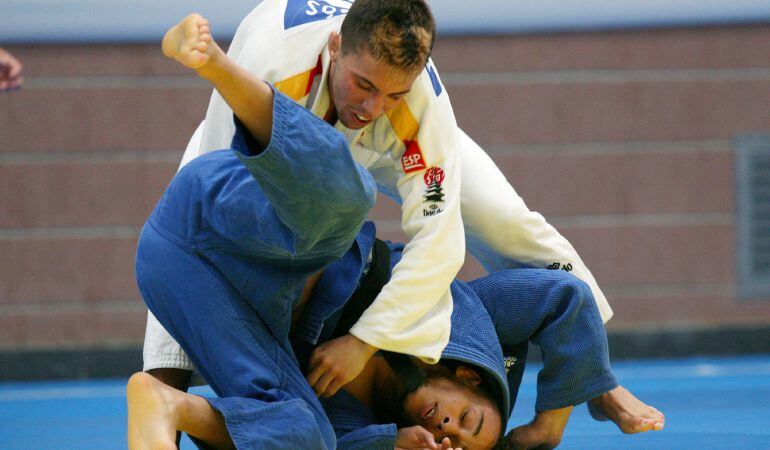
x: 330, y: 116
x: 384, y: 380
x: 387, y: 392
x: 374, y: 381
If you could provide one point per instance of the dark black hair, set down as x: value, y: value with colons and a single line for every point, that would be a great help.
x: 406, y: 377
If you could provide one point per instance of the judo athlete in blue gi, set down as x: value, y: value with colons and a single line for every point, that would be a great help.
x: 468, y: 395
x: 228, y: 250
x: 228, y: 259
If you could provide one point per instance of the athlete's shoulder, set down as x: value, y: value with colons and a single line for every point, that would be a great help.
x: 427, y: 86
x: 426, y: 98
x: 281, y: 18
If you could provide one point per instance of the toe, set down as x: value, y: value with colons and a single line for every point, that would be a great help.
x: 636, y: 424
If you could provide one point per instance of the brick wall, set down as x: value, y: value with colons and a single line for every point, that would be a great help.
x: 621, y: 139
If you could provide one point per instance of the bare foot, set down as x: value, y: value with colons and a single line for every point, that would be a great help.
x: 151, y: 417
x: 544, y: 432
x: 628, y: 412
x: 189, y: 42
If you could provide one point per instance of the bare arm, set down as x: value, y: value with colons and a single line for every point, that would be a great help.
x: 190, y: 43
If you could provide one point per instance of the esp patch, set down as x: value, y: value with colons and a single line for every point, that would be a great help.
x: 412, y: 159
x: 299, y: 12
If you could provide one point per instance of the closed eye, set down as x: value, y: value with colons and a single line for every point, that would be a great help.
x: 366, y: 87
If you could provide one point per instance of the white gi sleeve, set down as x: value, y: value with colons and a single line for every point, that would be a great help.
x: 503, y: 233
x: 412, y: 313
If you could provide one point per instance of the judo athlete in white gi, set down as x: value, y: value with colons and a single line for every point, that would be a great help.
x: 364, y: 68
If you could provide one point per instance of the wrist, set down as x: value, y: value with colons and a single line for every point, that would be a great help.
x: 366, y: 348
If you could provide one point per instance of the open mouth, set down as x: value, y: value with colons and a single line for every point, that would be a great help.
x: 361, y: 118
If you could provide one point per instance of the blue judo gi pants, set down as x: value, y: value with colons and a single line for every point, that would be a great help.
x: 264, y: 398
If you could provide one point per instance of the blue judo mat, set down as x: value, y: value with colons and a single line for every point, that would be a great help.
x: 710, y: 403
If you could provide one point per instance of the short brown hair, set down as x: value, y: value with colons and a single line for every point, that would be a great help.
x: 397, y: 32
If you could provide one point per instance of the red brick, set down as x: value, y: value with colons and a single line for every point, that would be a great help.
x: 667, y: 311
x: 95, y: 60
x: 98, y: 120
x: 81, y: 328
x: 614, y: 112
x: 80, y: 194
x: 623, y: 183
x: 67, y: 270
x: 687, y: 48
x: 638, y: 255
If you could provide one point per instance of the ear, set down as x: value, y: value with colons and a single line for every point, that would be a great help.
x: 468, y: 376
x: 335, y: 45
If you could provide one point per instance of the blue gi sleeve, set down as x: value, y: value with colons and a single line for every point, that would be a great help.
x: 556, y: 312
x: 309, y: 176
x: 375, y: 437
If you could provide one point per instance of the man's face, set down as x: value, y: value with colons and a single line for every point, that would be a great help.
x: 450, y: 408
x: 363, y: 88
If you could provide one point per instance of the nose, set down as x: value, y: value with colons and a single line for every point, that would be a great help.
x: 374, y: 106
x: 447, y: 425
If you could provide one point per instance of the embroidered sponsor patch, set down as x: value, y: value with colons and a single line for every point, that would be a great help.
x: 412, y: 159
x: 300, y: 12
x: 509, y: 362
x: 433, y: 178
x: 556, y: 266
x: 431, y: 210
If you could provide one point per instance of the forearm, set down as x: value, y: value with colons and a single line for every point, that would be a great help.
x: 412, y: 312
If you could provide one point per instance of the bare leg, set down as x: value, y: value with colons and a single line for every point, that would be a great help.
x: 628, y: 412
x: 544, y: 432
x: 156, y: 412
x: 190, y: 43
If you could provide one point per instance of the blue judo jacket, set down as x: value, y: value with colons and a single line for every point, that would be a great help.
x: 493, y: 319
